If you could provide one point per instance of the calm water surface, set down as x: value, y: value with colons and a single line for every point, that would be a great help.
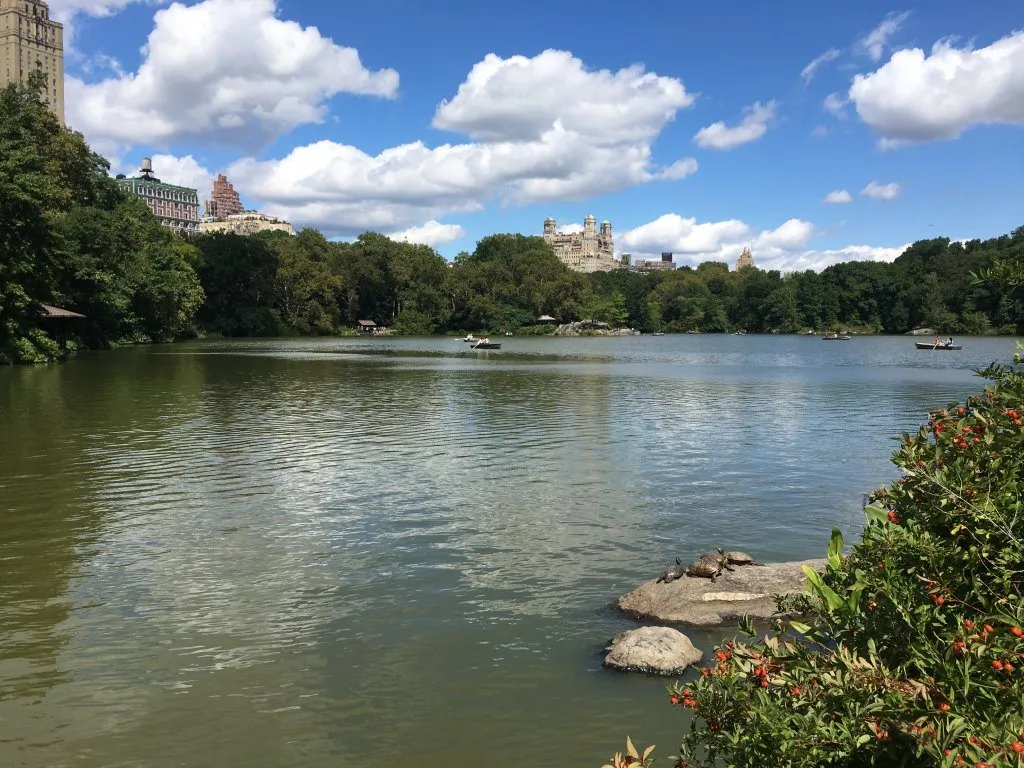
x: 398, y: 552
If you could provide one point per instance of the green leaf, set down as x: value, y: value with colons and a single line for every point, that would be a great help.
x: 835, y: 550
x: 877, y: 514
x: 800, y: 627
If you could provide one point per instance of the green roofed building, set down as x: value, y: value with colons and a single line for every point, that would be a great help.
x: 175, y: 207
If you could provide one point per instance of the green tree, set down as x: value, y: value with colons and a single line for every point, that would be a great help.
x: 306, y: 289
x: 239, y: 276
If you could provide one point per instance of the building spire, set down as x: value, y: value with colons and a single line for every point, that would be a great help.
x: 746, y: 258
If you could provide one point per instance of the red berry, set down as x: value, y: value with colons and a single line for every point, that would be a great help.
x: 969, y: 624
x: 940, y: 600
x: 997, y: 664
x: 1017, y: 747
x: 1017, y: 632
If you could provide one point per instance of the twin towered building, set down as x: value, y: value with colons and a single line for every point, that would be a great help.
x: 591, y: 250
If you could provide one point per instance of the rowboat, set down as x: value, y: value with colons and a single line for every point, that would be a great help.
x: 836, y: 337
x: 471, y: 339
x: 939, y: 347
x: 485, y: 344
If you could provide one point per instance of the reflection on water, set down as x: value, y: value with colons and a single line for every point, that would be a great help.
x: 300, y: 552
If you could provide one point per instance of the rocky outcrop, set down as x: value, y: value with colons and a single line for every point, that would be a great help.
x: 749, y: 590
x: 654, y: 650
x: 592, y: 329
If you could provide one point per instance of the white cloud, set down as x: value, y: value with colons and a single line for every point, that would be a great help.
x: 553, y: 153
x: 228, y: 71
x: 877, y: 191
x: 819, y: 132
x: 345, y: 190
x: 185, y: 172
x: 522, y: 99
x: 876, y: 41
x: 808, y: 72
x: 679, y: 170
x: 836, y: 104
x: 916, y: 98
x: 64, y: 10
x: 838, y: 197
x: 433, y: 233
x: 783, y: 248
x: 751, y: 128
x: 568, y: 228
x: 706, y: 241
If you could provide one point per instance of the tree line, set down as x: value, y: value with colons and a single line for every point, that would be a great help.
x: 69, y: 237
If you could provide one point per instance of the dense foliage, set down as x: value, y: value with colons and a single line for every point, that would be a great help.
x: 913, y: 650
x: 69, y: 237
x: 510, y: 280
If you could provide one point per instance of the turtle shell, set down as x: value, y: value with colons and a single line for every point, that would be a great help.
x: 673, y: 573
x: 705, y: 568
x: 739, y: 558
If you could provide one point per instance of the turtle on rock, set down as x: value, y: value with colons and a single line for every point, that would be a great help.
x: 677, y: 571
x: 709, y: 565
x: 718, y: 554
x: 740, y: 558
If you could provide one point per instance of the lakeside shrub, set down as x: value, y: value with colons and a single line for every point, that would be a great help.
x: 911, y: 652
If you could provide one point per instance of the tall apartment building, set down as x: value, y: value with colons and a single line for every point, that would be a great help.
x: 176, y: 207
x: 31, y: 41
x: 225, y: 200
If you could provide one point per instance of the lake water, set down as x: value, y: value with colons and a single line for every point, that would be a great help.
x: 397, y: 551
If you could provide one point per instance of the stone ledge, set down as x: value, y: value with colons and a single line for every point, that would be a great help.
x: 749, y: 590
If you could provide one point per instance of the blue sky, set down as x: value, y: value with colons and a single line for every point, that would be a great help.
x: 695, y: 128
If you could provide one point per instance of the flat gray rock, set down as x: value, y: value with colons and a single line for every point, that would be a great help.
x: 654, y: 650
x: 747, y: 591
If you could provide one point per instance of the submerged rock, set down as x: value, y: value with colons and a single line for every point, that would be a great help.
x: 654, y: 650
x: 745, y: 591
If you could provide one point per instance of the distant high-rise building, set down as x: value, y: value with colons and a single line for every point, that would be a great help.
x: 225, y: 200
x: 666, y: 256
x: 30, y: 41
x: 586, y: 251
x: 644, y: 265
x: 176, y: 207
x: 746, y: 259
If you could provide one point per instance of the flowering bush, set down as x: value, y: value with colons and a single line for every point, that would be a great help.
x: 912, y: 650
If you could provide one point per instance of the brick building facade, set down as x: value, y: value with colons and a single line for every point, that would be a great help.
x: 225, y: 200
